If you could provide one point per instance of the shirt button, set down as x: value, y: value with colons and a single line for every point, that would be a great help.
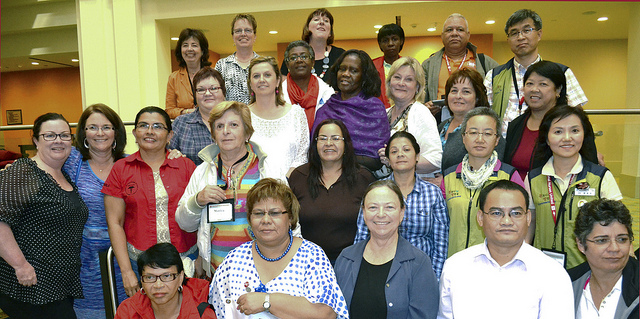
x: 391, y: 304
x: 387, y: 285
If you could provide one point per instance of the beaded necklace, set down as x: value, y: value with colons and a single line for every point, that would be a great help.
x: 281, y: 256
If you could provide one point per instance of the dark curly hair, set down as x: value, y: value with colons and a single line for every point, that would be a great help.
x: 604, y: 212
x: 204, y: 46
x: 370, y: 80
x: 349, y: 164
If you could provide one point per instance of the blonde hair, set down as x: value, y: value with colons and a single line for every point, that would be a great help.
x: 239, y: 108
x: 274, y: 64
x: 417, y: 70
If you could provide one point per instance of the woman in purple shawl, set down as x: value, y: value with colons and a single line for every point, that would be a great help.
x: 355, y: 103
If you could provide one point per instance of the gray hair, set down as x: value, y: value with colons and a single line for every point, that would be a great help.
x: 456, y: 15
x: 299, y: 43
x: 482, y: 110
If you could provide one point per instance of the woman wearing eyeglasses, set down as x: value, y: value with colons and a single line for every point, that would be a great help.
x: 142, y: 194
x: 192, y: 132
x: 231, y: 165
x: 100, y: 141
x: 277, y: 275
x: 165, y: 291
x: 330, y: 188
x: 606, y: 285
x: 192, y: 53
x: 41, y: 220
x: 481, y: 128
x: 301, y: 87
x: 235, y: 68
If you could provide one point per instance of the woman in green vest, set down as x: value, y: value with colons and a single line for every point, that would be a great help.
x: 565, y: 182
x: 481, y: 129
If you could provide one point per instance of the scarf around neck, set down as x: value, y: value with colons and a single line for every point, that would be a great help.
x: 308, y: 100
x: 474, y: 179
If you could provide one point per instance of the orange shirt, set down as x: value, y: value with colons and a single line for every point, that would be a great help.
x: 469, y: 61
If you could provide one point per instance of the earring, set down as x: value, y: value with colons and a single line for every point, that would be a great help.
x: 86, y: 144
x: 142, y: 291
x: 277, y: 91
x: 114, y: 145
x: 251, y: 93
x: 180, y: 288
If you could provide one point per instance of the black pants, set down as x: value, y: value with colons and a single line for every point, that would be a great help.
x: 16, y: 309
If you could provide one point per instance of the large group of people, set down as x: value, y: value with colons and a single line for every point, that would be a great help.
x: 333, y: 186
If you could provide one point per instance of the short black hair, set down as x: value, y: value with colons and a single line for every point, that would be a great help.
x: 604, y: 212
x: 503, y: 184
x: 370, y: 80
x: 391, y: 29
x: 155, y: 109
x: 554, y: 73
x: 402, y: 134
x: 162, y: 255
x: 522, y: 15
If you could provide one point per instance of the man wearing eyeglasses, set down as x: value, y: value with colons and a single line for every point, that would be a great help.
x: 504, y: 277
x: 504, y: 83
x: 457, y: 52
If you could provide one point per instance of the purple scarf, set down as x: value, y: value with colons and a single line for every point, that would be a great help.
x: 365, y: 118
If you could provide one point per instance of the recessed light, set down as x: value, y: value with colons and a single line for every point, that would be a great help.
x: 35, y: 63
x: 603, y: 19
x: 273, y: 32
x: 75, y: 60
x: 175, y: 38
x: 377, y: 31
x: 378, y: 26
x: 431, y: 29
x: 490, y: 21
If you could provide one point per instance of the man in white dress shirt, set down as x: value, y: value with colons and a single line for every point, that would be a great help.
x: 504, y: 277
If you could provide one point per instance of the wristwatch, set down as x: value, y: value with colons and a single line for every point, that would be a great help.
x: 266, y: 304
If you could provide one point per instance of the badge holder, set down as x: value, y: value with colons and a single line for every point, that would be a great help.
x: 559, y: 256
x: 223, y: 211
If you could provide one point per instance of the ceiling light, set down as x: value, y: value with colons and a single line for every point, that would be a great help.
x: 273, y: 32
x: 603, y: 19
x: 490, y: 21
x: 175, y: 38
x: 378, y: 26
x: 75, y: 60
x: 431, y: 29
x: 35, y: 63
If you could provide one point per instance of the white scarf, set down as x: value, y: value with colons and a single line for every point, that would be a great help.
x: 474, y: 179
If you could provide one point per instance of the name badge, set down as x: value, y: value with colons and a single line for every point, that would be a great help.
x: 585, y: 192
x: 559, y: 256
x: 221, y: 212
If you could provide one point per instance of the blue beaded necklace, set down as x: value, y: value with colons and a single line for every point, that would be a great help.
x: 277, y: 258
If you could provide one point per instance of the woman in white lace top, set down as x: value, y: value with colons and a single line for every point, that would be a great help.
x: 281, y: 129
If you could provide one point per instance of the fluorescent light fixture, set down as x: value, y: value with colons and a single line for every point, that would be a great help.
x: 35, y: 63
x: 175, y: 38
x: 603, y: 19
x: 378, y: 26
x: 431, y: 29
x: 490, y: 21
x: 273, y: 32
x: 75, y: 60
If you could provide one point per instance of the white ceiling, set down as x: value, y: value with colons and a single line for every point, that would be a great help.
x: 43, y: 31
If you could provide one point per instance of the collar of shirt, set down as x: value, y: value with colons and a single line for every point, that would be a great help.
x: 194, y: 117
x: 417, y: 186
x: 562, y: 182
x: 521, y: 68
x: 137, y: 157
x: 587, y: 308
x: 234, y: 58
x: 519, y: 261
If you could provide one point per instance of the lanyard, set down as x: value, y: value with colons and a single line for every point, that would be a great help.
x: 515, y: 85
x: 446, y: 58
x: 228, y: 179
x: 552, y: 201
